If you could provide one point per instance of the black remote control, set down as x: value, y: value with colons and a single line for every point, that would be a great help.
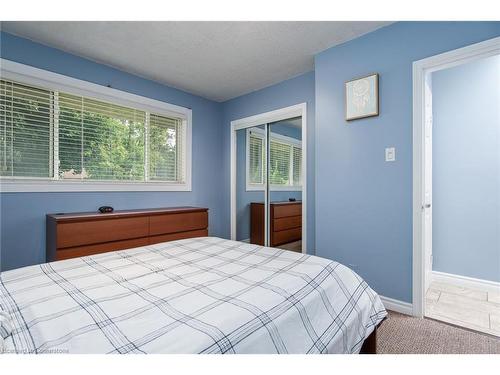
x: 105, y: 209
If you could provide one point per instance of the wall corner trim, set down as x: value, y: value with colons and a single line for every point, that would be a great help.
x: 397, y: 305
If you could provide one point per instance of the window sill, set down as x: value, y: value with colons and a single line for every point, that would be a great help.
x: 45, y: 186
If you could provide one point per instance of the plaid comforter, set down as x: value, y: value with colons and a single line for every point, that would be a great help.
x: 202, y: 295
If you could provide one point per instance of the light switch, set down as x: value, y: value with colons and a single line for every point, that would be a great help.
x: 390, y: 154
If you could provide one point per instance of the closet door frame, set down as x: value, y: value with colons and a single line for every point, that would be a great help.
x: 264, y: 119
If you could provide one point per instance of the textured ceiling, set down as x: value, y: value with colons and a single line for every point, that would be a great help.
x: 215, y: 60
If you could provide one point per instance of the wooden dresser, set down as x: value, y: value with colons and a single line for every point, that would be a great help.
x: 72, y: 235
x: 285, y: 220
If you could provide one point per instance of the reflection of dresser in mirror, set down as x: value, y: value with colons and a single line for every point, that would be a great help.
x: 285, y: 219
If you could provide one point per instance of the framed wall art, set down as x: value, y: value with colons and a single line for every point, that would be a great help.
x: 361, y: 97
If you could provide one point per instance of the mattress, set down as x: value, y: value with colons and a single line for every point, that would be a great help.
x: 199, y: 295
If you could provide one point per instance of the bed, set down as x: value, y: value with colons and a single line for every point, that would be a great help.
x: 197, y: 295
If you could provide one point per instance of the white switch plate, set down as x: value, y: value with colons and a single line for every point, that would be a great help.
x: 390, y: 154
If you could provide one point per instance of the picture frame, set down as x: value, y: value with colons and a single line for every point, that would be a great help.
x: 362, y: 97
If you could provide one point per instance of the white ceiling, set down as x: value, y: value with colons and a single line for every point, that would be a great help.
x: 216, y: 60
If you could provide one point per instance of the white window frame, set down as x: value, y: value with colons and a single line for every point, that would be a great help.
x: 13, y: 71
x: 293, y: 142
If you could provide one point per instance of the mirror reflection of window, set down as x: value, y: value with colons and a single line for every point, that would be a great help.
x: 256, y: 158
x: 285, y: 165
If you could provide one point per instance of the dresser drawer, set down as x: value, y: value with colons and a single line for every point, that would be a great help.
x: 287, y: 210
x: 285, y: 236
x: 80, y: 251
x: 91, y: 232
x: 165, y: 224
x: 287, y: 223
x: 178, y: 236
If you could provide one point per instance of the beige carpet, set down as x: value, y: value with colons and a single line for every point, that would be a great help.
x: 402, y: 334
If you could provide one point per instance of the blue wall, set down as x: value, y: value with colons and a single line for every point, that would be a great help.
x: 244, y: 197
x: 23, y: 214
x: 466, y: 169
x: 293, y: 91
x: 364, y: 204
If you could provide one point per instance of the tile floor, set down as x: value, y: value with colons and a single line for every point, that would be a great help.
x: 470, y: 308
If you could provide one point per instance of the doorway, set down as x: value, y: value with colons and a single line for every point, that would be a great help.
x: 456, y: 210
x: 269, y: 179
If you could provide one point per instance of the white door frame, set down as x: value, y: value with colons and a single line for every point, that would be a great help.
x: 422, y: 104
x: 264, y: 118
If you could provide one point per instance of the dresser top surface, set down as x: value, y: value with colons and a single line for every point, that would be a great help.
x: 82, y: 216
x: 283, y: 203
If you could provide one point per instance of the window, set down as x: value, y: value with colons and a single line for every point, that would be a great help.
x: 25, y: 131
x: 166, y: 156
x: 285, y: 163
x: 58, y: 137
x: 99, y: 141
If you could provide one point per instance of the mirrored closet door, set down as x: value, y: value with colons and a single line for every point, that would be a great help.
x: 250, y: 184
x: 269, y: 184
x: 285, y: 184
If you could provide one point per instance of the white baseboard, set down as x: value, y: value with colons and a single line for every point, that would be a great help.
x: 397, y: 305
x: 466, y: 282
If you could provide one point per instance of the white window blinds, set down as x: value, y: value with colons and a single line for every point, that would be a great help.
x: 61, y: 136
x: 279, y: 163
x: 285, y: 164
x: 297, y: 166
x: 166, y: 149
x: 25, y: 131
x: 100, y: 141
x: 256, y: 162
